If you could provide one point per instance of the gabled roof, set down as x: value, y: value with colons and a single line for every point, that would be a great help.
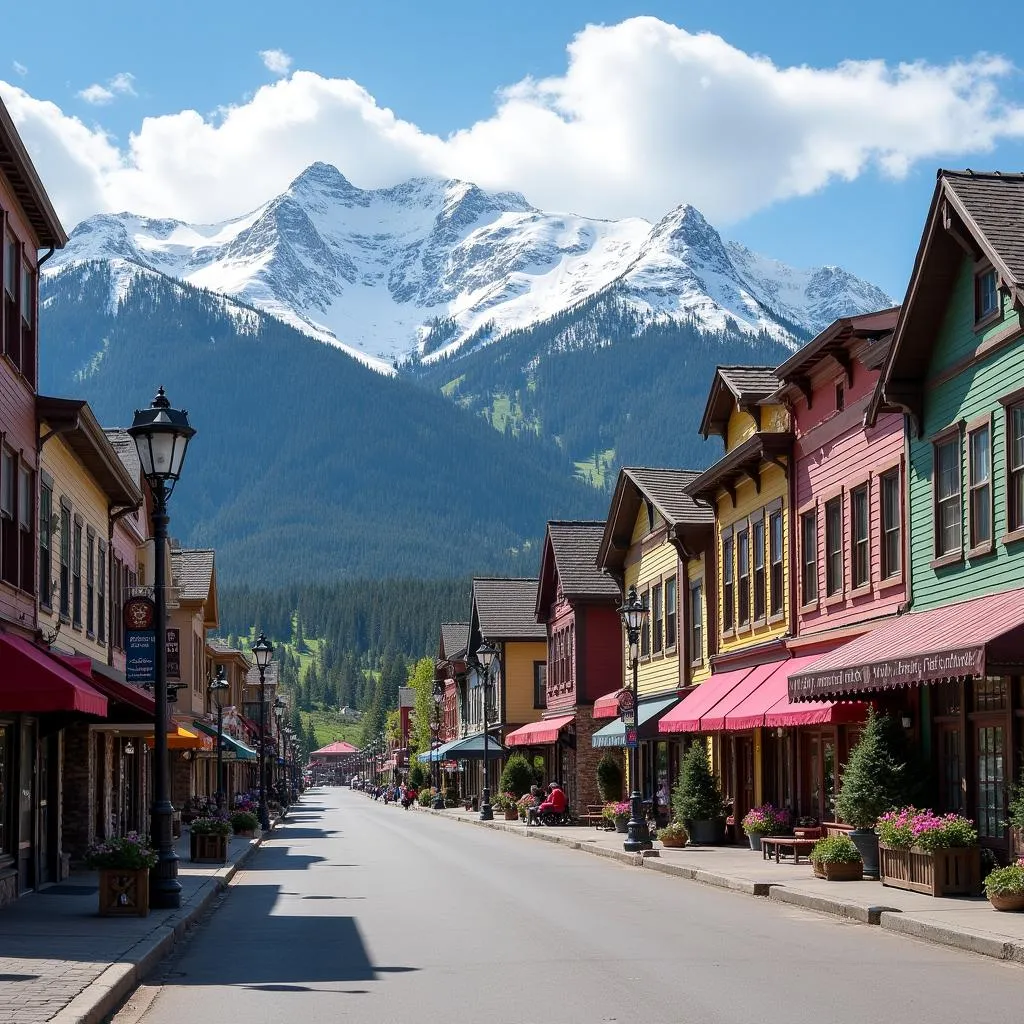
x: 270, y: 675
x: 454, y: 637
x: 16, y: 166
x: 688, y: 520
x: 73, y: 420
x: 337, y: 747
x: 976, y: 214
x: 224, y: 652
x: 743, y: 461
x: 193, y: 572
x: 569, y: 559
x: 505, y: 609
x: 735, y: 386
x: 122, y: 443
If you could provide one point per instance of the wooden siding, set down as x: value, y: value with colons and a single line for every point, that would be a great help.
x: 600, y: 653
x: 73, y: 484
x: 194, y: 670
x: 964, y: 397
x: 696, y: 570
x: 563, y: 618
x: 774, y: 488
x: 652, y: 560
x: 517, y: 668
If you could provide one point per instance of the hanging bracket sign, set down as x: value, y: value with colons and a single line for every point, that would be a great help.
x: 140, y: 640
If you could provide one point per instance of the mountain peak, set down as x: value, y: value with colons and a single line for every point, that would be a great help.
x: 323, y: 178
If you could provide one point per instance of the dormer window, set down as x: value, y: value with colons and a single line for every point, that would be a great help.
x: 986, y: 295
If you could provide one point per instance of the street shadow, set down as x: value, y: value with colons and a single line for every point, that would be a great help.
x: 287, y: 833
x: 279, y: 859
x: 280, y: 953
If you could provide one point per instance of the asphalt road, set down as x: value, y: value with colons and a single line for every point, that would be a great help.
x: 360, y: 912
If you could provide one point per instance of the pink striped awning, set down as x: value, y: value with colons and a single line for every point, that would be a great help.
x: 687, y: 715
x: 608, y: 705
x: 539, y: 734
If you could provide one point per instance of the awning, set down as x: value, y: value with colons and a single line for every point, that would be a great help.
x: 105, y: 679
x: 472, y: 747
x: 180, y: 738
x: 647, y: 714
x: 971, y: 638
x: 716, y: 718
x: 33, y: 680
x: 437, y: 754
x: 238, y: 750
x: 539, y: 734
x: 608, y: 705
x: 687, y: 717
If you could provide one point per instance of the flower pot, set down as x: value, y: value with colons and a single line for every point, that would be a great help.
x: 124, y: 892
x: 755, y: 840
x: 673, y: 842
x: 511, y: 814
x: 866, y: 841
x: 1008, y: 901
x: 707, y: 833
x: 837, y: 871
x: 622, y: 823
x: 208, y: 848
x: 952, y: 872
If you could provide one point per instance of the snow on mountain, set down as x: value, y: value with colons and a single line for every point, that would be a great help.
x: 424, y: 265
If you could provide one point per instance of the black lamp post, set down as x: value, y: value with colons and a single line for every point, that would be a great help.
x: 263, y: 651
x: 161, y: 435
x: 435, y: 746
x: 634, y: 618
x: 218, y: 685
x: 279, y: 708
x: 486, y: 655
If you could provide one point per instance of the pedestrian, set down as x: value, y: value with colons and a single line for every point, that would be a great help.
x: 555, y: 803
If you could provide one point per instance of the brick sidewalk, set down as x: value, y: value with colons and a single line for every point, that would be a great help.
x: 60, y: 961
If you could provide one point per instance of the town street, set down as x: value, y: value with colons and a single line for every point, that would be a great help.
x: 358, y: 911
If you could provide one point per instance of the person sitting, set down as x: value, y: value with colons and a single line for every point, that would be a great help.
x: 410, y: 797
x: 555, y: 803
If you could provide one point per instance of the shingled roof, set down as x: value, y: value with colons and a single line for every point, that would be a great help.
x: 995, y: 203
x: 454, y: 637
x: 122, y: 443
x: 506, y: 609
x: 664, y: 489
x: 732, y: 386
x: 575, y: 547
x: 192, y: 571
x: 270, y: 673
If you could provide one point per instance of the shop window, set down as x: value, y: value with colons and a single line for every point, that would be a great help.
x: 743, y: 576
x: 946, y: 483
x: 777, y: 593
x: 671, y: 613
x: 979, y: 482
x: 892, y: 524
x: 991, y: 780
x: 809, y: 557
x: 948, y: 700
x: 760, y: 583
x: 990, y: 694
x: 833, y: 547
x: 727, y: 584
x: 1015, y: 467
x: 657, y: 619
x: 860, y: 537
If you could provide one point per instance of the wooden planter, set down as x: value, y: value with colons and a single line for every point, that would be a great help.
x: 208, y: 848
x: 677, y: 842
x: 851, y: 871
x: 955, y: 872
x: 124, y: 892
x: 512, y: 814
x: 1011, y: 902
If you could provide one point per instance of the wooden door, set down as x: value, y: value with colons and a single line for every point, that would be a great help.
x: 745, y: 793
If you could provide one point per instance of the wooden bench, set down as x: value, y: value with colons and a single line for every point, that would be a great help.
x: 776, y: 844
x: 594, y: 817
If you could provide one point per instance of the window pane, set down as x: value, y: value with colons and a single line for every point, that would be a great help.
x: 833, y: 546
x: 657, y: 622
x: 670, y: 612
x: 743, y: 575
x: 696, y: 623
x: 947, y: 469
x: 861, y: 554
x: 759, y: 577
x: 947, y: 492
x: 809, y: 548
x: 891, y: 525
x: 775, y: 555
x: 25, y: 498
x: 727, y: 583
x: 980, y: 468
x: 7, y: 484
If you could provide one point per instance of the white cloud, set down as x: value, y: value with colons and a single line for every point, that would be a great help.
x: 19, y: 68
x: 277, y: 61
x: 645, y: 116
x: 122, y: 84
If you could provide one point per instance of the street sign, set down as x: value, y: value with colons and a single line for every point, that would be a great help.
x: 140, y: 640
x: 631, y: 737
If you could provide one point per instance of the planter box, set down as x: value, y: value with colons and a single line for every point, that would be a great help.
x: 210, y: 849
x: 124, y: 893
x: 512, y: 814
x: 954, y: 872
x: 676, y: 842
x: 1011, y: 902
x: 840, y: 872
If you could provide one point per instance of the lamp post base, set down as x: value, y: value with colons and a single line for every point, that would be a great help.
x: 637, y: 836
x: 486, y: 811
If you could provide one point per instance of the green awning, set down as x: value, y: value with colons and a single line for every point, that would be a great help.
x: 232, y: 749
x: 648, y: 713
x: 437, y: 754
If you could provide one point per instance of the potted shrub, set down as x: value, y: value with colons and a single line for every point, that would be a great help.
x: 1015, y: 818
x: 506, y: 802
x: 616, y: 813
x: 123, y: 863
x: 837, y: 859
x: 244, y: 823
x: 673, y: 834
x: 925, y: 852
x: 516, y: 776
x: 424, y: 798
x: 871, y: 784
x: 765, y: 820
x: 523, y: 805
x: 1004, y: 887
x: 696, y: 799
x: 609, y: 778
x: 208, y: 839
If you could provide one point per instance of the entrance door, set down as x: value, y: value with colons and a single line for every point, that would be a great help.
x: 27, y: 807
x: 990, y: 785
x: 47, y: 812
x: 745, y: 776
x: 820, y: 774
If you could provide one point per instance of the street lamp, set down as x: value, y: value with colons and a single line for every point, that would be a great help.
x: 435, y: 731
x: 486, y: 655
x: 218, y: 685
x: 263, y: 650
x: 161, y: 435
x: 279, y: 707
x: 634, y: 617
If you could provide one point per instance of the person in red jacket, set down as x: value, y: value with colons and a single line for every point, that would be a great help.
x: 555, y: 802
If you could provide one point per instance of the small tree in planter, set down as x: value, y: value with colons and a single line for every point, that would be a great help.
x: 871, y: 784
x: 696, y: 799
x: 609, y: 778
x: 517, y: 776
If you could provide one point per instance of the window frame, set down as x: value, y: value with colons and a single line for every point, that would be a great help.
x: 983, y: 317
x: 977, y: 548
x: 888, y: 576
x: 835, y: 575
x: 76, y: 573
x: 101, y: 592
x: 645, y: 629
x: 26, y: 528
x: 1014, y: 516
x: 45, y: 568
x: 776, y: 589
x: 696, y: 623
x: 671, y: 617
x: 90, y: 581
x: 743, y: 542
x: 952, y: 437
x: 860, y: 492
x: 728, y: 583
x: 757, y: 525
x: 540, y: 685
x: 657, y: 618
x: 64, y: 585
x: 809, y: 600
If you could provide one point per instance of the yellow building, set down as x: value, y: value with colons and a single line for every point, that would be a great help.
x: 660, y: 540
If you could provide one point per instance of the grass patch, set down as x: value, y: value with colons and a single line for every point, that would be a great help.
x: 596, y: 469
x: 328, y: 727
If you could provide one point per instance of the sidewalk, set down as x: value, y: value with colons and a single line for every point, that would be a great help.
x: 964, y: 923
x: 61, y: 962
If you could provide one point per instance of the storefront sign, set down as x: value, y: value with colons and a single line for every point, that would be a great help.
x: 882, y: 675
x: 140, y: 640
x: 173, y: 653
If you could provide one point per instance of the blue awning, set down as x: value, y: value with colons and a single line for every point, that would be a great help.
x: 232, y: 749
x: 647, y: 714
x: 437, y: 754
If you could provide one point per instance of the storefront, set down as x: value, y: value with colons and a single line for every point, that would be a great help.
x: 552, y: 741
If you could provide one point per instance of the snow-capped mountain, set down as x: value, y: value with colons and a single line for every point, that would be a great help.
x: 424, y: 266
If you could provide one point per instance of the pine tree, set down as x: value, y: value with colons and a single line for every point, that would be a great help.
x: 873, y: 781
x: 696, y: 797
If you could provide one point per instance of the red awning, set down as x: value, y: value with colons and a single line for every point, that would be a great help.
x: 539, y: 734
x: 714, y: 719
x: 686, y: 716
x: 815, y: 712
x: 114, y: 689
x: 772, y: 696
x: 970, y: 638
x: 607, y: 706
x: 33, y: 680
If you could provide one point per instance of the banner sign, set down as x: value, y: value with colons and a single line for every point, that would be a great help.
x: 140, y: 640
x: 884, y: 675
x: 629, y: 723
x: 173, y: 648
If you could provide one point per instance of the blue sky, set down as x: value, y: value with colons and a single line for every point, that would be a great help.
x: 439, y: 67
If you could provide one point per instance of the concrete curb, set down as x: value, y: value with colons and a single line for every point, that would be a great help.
x: 104, y: 995
x: 973, y: 942
x: 826, y: 905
